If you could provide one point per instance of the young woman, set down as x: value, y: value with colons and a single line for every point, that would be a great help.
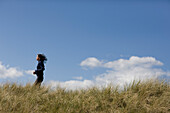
x: 40, y: 68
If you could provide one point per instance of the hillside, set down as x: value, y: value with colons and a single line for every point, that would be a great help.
x: 139, y: 97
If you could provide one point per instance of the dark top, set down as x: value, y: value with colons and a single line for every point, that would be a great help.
x: 40, y: 68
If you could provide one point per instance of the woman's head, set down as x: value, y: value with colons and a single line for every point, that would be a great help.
x: 41, y: 57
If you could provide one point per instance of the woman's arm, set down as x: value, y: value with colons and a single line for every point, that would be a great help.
x: 41, y: 68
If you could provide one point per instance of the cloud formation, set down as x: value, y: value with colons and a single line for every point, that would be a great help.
x: 9, y: 72
x: 72, y: 84
x: 135, y: 68
x: 78, y: 78
x: 91, y: 62
x: 30, y: 72
x: 118, y: 72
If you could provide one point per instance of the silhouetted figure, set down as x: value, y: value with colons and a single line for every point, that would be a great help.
x: 40, y: 68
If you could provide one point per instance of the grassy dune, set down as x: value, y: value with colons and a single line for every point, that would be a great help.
x: 139, y: 97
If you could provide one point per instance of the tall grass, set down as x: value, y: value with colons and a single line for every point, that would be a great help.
x: 139, y: 97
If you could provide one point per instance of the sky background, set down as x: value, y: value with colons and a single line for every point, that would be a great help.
x: 69, y: 32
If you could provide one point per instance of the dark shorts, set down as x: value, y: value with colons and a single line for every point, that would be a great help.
x: 39, y: 79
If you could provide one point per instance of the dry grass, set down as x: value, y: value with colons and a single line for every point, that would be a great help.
x: 139, y: 97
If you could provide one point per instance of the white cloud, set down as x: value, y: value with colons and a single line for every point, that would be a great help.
x: 78, y: 78
x: 135, y: 68
x: 134, y: 61
x: 30, y: 72
x: 72, y: 84
x: 118, y: 72
x: 9, y: 72
x: 91, y: 62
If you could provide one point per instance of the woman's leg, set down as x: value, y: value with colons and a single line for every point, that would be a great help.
x: 38, y: 81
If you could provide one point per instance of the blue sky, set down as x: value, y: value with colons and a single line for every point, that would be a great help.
x: 68, y: 32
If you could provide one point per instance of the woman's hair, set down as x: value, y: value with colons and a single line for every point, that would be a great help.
x: 42, y: 57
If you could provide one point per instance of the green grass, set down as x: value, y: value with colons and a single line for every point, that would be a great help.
x: 139, y: 97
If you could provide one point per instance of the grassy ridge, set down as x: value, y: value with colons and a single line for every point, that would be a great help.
x: 140, y: 97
